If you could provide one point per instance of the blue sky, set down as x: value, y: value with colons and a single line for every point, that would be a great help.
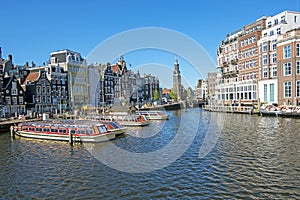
x: 31, y: 29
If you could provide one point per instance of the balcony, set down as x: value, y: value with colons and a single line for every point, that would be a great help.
x: 232, y: 73
x: 234, y: 61
x: 283, y: 21
x: 225, y: 64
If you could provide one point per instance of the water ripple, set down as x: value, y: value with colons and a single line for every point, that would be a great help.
x: 256, y: 158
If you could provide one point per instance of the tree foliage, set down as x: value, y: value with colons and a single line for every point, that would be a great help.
x: 156, y: 95
x: 173, y: 95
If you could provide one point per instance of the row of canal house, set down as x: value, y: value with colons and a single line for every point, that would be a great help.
x: 12, y: 99
x: 260, y: 62
x: 66, y: 83
x: 114, y: 84
x: 32, y: 89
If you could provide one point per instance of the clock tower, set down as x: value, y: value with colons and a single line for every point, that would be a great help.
x: 177, y: 80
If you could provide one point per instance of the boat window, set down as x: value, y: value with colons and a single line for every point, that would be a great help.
x: 54, y: 130
x: 39, y: 129
x: 89, y: 131
x: 102, y: 129
x: 46, y: 130
x: 114, y: 124
x: 72, y: 131
x: 62, y: 131
x: 81, y: 131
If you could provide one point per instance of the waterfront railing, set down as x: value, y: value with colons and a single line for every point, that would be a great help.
x: 229, y: 109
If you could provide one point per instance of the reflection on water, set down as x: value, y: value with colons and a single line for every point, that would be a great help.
x: 254, y: 158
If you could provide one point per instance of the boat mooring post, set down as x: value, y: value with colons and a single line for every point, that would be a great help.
x: 12, y: 132
x: 70, y: 138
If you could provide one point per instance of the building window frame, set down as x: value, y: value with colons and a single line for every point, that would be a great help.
x: 287, y: 69
x: 287, y: 86
x: 274, y: 46
x: 272, y: 91
x: 14, y: 91
x: 21, y: 100
x: 274, y: 71
x: 265, y: 92
x: 287, y: 51
x: 38, y: 89
x: 265, y: 72
x: 297, y: 88
x: 298, y: 50
x: 8, y: 100
x: 278, y: 31
x: 265, y: 59
x: 14, y: 101
x: 274, y: 58
x: 264, y: 47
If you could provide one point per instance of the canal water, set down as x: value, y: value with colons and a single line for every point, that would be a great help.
x: 193, y: 155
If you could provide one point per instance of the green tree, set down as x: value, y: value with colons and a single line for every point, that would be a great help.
x: 156, y: 95
x: 173, y: 95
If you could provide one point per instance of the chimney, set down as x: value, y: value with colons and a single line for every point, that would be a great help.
x: 10, y: 57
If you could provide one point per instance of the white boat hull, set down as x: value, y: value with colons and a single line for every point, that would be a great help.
x: 118, y: 131
x: 65, y: 137
x: 157, y: 117
x: 129, y: 123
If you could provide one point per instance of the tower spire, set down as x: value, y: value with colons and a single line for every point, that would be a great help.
x: 177, y: 79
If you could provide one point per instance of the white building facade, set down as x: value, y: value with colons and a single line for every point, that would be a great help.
x: 275, y: 25
x: 77, y: 69
x: 247, y: 69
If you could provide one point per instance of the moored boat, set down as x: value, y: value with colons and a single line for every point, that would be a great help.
x: 269, y: 110
x: 290, y: 111
x: 112, y: 126
x: 62, y: 131
x: 153, y: 114
x: 131, y: 120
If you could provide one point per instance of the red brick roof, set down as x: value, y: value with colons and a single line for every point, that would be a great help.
x: 115, y: 68
x: 166, y: 91
x: 32, y: 77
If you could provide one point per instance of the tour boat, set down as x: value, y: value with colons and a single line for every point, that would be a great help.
x: 112, y: 126
x: 121, y: 119
x: 63, y: 131
x: 153, y: 115
x: 131, y: 120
